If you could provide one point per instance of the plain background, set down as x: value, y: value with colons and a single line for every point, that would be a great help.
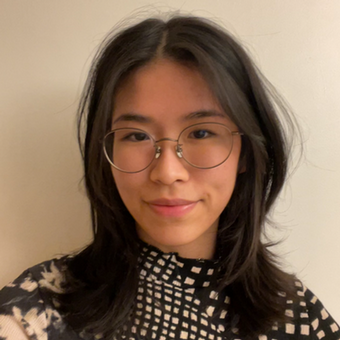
x: 46, y: 48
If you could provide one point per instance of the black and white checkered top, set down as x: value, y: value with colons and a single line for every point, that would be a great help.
x: 175, y: 300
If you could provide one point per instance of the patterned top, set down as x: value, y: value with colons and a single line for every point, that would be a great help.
x: 174, y: 301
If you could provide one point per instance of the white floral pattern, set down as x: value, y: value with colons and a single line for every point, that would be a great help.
x: 27, y: 308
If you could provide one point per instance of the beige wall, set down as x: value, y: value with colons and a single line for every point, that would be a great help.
x: 45, y: 51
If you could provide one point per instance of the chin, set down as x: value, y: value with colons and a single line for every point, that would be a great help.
x: 195, y: 243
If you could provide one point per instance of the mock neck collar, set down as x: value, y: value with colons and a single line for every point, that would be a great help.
x: 175, y: 270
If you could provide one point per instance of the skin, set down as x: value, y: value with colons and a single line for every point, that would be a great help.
x: 159, y: 98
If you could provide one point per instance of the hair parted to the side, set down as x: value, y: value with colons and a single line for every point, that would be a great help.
x: 102, y: 279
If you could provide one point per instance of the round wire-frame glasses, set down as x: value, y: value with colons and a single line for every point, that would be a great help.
x: 132, y: 144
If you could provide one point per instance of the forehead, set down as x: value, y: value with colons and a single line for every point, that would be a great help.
x: 165, y: 91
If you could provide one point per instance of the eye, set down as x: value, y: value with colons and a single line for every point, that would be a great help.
x: 201, y: 134
x: 136, y: 137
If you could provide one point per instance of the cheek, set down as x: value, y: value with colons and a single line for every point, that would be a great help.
x: 128, y: 185
x: 222, y: 182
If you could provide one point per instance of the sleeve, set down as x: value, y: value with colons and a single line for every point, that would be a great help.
x: 323, y: 326
x: 22, y: 314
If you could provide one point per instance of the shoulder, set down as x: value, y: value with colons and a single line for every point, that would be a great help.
x: 42, y: 279
x: 322, y: 324
x: 307, y: 318
x: 27, y: 306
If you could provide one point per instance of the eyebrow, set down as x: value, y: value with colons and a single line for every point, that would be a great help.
x: 135, y: 117
x: 204, y: 114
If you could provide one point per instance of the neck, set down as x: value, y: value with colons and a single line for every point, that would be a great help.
x: 204, y: 250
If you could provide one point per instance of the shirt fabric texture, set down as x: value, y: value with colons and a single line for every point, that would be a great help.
x: 174, y: 301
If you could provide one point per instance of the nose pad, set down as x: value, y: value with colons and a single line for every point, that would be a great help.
x: 178, y: 148
x: 158, y: 151
x: 179, y: 151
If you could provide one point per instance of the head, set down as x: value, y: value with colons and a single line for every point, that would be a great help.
x: 204, y: 68
x: 236, y: 88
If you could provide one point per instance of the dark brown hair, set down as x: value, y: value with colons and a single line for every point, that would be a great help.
x: 102, y: 279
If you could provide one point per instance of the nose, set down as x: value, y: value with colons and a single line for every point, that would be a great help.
x: 168, y: 167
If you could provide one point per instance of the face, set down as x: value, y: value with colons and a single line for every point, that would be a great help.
x: 176, y: 206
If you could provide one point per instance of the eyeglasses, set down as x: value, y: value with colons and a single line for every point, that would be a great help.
x: 202, y: 145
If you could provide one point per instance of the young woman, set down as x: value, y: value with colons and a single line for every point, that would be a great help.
x: 184, y: 156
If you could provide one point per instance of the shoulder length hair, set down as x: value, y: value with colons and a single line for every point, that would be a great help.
x: 102, y: 279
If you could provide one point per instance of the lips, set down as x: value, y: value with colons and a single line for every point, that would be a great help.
x: 171, y: 207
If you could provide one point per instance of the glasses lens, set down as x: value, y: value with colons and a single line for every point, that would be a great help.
x: 206, y: 145
x: 129, y: 150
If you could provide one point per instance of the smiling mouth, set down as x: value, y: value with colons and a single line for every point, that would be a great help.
x: 172, y: 208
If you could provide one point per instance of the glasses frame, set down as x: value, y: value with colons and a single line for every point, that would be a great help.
x: 178, y: 149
